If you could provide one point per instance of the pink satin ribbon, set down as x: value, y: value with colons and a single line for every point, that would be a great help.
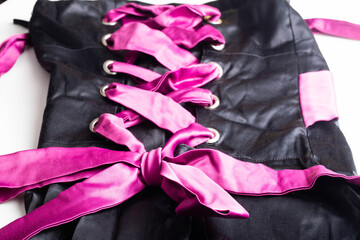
x: 180, y: 85
x: 10, y: 51
x: 191, y: 76
x: 160, y: 109
x: 198, y: 96
x: 162, y: 16
x: 334, y: 28
x: 157, y: 44
x: 135, y: 10
x: 180, y: 27
x: 140, y: 73
x: 189, y: 38
x: 317, y: 97
x: 197, y: 180
x: 196, y: 75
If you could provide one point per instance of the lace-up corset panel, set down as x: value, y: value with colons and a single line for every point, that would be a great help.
x: 185, y: 98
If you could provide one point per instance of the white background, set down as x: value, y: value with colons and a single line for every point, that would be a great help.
x: 23, y: 90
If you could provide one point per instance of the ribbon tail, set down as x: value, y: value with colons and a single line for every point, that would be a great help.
x: 31, y: 169
x: 106, y: 189
x: 197, y: 194
x: 334, y: 27
x: 10, y: 50
x: 254, y: 179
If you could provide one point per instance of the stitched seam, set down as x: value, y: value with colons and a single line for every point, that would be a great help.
x: 70, y: 143
x: 298, y: 73
x: 268, y: 56
x: 265, y: 160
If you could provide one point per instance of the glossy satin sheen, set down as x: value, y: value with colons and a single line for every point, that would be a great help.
x: 182, y: 24
x: 189, y: 38
x: 104, y: 188
x: 135, y: 71
x: 10, y: 50
x: 198, y: 96
x: 156, y: 106
x: 180, y: 85
x: 182, y: 16
x: 334, y: 27
x: 317, y: 97
x: 158, y: 45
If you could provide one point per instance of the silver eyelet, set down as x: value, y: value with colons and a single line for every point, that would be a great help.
x: 108, y: 23
x: 92, y: 124
x: 103, y: 90
x: 221, y: 71
x: 218, y: 47
x: 215, y: 104
x: 104, y: 38
x: 215, y: 138
x: 207, y: 18
x: 106, y: 67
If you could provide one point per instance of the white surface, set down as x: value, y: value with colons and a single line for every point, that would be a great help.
x: 23, y: 90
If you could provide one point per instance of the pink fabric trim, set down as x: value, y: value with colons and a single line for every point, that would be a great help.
x: 317, y: 97
x: 334, y: 27
x: 10, y: 51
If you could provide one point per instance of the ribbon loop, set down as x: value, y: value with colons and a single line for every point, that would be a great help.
x: 113, y: 128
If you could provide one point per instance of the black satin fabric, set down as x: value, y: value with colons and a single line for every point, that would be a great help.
x: 259, y: 119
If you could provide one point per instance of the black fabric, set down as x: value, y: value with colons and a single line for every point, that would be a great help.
x: 259, y: 119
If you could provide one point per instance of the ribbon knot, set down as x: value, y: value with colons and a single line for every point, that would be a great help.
x: 151, y: 166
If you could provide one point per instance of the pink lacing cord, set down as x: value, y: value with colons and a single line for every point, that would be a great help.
x: 161, y: 31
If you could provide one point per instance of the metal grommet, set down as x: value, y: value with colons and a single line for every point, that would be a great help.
x: 215, y: 138
x: 215, y: 104
x: 106, y: 67
x: 104, y: 38
x: 218, y: 47
x: 217, y: 22
x: 108, y: 23
x: 103, y: 90
x: 92, y: 124
x: 221, y: 71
